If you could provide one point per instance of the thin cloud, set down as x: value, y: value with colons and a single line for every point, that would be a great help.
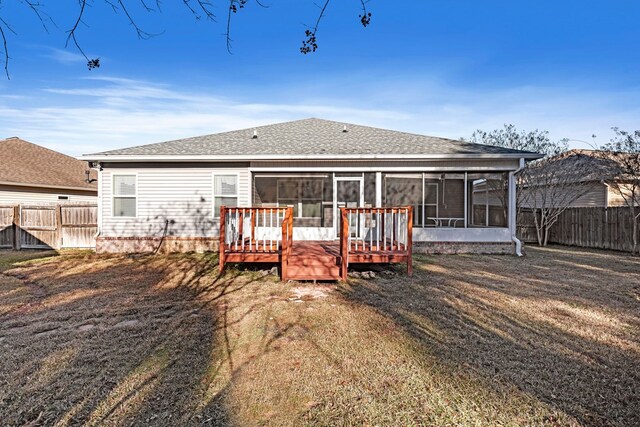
x: 62, y: 56
x: 113, y: 112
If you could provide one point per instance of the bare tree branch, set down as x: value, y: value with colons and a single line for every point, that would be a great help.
x: 624, y: 152
x: 311, y: 43
x: 198, y: 8
x: 139, y: 31
x: 5, y: 47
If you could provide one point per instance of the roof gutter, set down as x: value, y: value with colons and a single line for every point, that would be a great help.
x: 335, y: 157
x: 55, y: 187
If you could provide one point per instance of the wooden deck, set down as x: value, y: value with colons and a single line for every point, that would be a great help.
x: 316, y: 260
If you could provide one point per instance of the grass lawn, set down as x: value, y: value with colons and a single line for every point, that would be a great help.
x: 549, y: 339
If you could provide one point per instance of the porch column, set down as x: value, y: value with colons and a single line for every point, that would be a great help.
x: 512, y: 203
x: 378, y: 189
x: 466, y: 201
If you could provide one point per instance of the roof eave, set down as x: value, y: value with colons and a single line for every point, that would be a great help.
x: 54, y: 187
x: 244, y: 157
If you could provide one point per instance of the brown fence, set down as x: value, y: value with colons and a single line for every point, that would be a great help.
x: 603, y: 228
x: 48, y: 226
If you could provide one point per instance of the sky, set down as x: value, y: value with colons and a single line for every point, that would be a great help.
x: 441, y: 68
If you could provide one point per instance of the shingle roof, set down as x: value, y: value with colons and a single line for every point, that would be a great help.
x: 312, y: 137
x: 22, y: 162
x: 584, y: 165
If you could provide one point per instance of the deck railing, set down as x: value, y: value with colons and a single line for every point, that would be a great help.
x: 255, y: 230
x: 376, y: 233
x: 367, y: 235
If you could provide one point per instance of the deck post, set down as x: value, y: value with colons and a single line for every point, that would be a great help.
x: 222, y: 239
x: 344, y: 243
x: 284, y: 255
x: 409, y: 245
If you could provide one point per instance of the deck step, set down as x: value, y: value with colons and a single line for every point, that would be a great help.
x: 314, y: 261
x: 313, y: 272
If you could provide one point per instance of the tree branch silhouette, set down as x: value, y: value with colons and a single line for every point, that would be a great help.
x: 198, y: 8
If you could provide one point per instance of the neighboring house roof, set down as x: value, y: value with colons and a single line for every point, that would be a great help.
x: 310, y: 139
x: 584, y: 165
x: 26, y: 164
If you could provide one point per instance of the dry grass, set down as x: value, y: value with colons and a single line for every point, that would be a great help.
x: 551, y: 339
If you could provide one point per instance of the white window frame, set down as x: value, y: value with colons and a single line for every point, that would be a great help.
x: 216, y: 212
x: 114, y: 195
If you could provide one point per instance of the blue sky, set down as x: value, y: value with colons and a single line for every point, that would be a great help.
x: 441, y: 68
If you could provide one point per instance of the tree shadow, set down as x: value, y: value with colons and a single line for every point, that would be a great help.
x: 568, y: 337
x: 11, y: 259
x: 113, y: 340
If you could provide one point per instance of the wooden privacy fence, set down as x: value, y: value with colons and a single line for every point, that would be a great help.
x: 602, y: 228
x: 48, y: 226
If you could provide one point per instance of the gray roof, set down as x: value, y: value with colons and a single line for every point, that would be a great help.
x: 312, y: 137
x: 581, y: 165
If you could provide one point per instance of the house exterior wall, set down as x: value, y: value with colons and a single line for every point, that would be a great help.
x: 182, y: 194
x: 14, y: 194
x: 594, y: 194
x: 615, y: 197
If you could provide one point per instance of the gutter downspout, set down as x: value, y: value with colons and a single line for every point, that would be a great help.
x: 512, y: 205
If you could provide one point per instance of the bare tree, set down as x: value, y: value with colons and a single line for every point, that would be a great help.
x: 624, y: 153
x: 199, y: 9
x: 548, y: 187
x: 536, y: 141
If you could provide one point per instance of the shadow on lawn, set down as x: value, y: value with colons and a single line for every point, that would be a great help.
x: 561, y: 324
x: 119, y: 340
x: 10, y: 258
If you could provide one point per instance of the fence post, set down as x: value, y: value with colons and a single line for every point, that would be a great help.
x: 17, y: 234
x: 59, y: 226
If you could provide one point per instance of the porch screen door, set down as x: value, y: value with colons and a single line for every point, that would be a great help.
x: 349, y: 193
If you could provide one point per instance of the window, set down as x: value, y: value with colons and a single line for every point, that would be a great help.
x: 225, y: 192
x: 304, y: 195
x: 124, y: 195
x: 63, y: 197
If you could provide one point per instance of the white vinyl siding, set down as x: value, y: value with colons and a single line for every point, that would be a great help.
x: 178, y: 199
x: 10, y: 195
x: 593, y: 194
x: 617, y: 199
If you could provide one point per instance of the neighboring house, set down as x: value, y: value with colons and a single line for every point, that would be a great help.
x: 594, y: 181
x: 31, y: 174
x: 173, y: 190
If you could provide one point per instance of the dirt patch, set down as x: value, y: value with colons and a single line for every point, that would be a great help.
x: 311, y: 292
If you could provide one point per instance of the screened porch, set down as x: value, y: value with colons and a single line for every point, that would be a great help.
x: 447, y: 200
